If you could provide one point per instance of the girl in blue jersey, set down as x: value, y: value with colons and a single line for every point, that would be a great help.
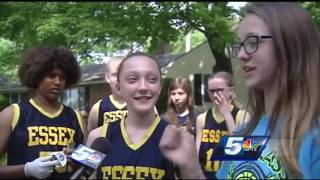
x: 180, y: 109
x: 143, y: 145
x: 279, y: 48
x: 34, y: 128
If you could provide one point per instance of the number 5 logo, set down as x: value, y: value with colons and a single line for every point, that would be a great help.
x: 82, y: 153
x: 233, y: 145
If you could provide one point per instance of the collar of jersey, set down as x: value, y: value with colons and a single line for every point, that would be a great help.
x: 116, y: 103
x: 219, y: 118
x: 184, y: 113
x: 145, y: 137
x: 49, y: 115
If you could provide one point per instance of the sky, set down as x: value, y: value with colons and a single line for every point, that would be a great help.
x: 237, y: 5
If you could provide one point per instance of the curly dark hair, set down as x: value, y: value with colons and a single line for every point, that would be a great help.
x: 38, y: 62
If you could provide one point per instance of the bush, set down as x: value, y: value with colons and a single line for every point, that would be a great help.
x: 4, y: 102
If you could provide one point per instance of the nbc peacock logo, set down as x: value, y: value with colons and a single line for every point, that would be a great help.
x: 250, y: 145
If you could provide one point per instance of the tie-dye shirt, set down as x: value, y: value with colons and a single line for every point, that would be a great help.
x: 268, y: 165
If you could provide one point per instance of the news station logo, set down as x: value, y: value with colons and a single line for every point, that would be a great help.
x: 240, y: 147
x: 87, y: 156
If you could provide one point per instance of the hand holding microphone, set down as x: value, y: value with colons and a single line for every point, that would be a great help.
x: 90, y: 158
x: 41, y: 167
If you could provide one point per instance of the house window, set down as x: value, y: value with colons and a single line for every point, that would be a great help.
x: 74, y: 98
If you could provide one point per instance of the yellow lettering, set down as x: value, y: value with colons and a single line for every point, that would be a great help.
x: 124, y: 115
x: 142, y: 172
x: 216, y: 166
x: 62, y: 136
x: 157, y: 173
x: 211, y: 166
x: 112, y: 116
x: 43, y: 133
x: 119, y: 115
x: 71, y: 133
x: 33, y: 139
x: 53, y: 140
x: 224, y: 133
x: 211, y: 135
x: 106, y: 172
x: 205, y: 133
x: 116, y: 172
x: 105, y: 116
x: 217, y: 138
x: 131, y: 172
x: 208, y: 166
x: 128, y: 170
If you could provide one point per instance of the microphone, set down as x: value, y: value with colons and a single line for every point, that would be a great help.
x: 90, y: 158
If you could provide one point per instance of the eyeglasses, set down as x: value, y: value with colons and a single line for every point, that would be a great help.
x: 250, y: 44
x: 212, y: 91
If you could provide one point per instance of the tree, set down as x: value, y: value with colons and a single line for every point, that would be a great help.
x: 179, y: 46
x: 314, y: 10
x: 8, y: 58
x: 112, y: 27
x: 85, y: 27
x: 214, y: 20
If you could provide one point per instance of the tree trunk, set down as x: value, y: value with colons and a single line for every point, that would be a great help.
x: 223, y: 63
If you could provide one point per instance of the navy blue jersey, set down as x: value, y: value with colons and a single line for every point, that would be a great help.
x: 137, y: 161
x: 37, y: 133
x: 111, y: 110
x: 211, y: 134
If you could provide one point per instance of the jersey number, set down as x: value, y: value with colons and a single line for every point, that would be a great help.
x: 211, y: 165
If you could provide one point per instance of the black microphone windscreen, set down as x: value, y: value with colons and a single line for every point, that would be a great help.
x: 101, y: 144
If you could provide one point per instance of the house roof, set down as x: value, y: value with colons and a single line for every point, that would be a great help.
x: 96, y: 72
x: 92, y: 72
x: 165, y: 59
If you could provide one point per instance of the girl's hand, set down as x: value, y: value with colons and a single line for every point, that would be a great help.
x: 222, y: 104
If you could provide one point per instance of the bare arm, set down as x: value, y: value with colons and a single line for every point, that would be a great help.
x: 231, y: 125
x: 94, y: 134
x: 224, y: 110
x: 200, y: 126
x: 93, y: 117
x: 14, y: 171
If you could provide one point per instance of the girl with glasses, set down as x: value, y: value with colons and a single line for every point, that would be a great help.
x: 218, y: 121
x: 282, y: 74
